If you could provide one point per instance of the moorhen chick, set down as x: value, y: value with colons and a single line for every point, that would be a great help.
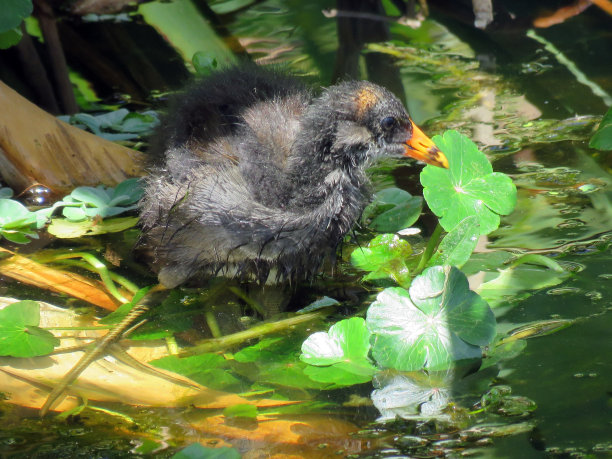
x: 258, y: 178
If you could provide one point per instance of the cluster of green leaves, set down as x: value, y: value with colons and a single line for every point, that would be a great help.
x: 116, y: 125
x: 88, y: 202
x: 431, y: 320
x: 81, y: 209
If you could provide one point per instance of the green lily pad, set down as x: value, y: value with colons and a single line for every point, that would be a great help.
x: 602, y: 139
x: 437, y: 322
x: 343, y: 351
x: 20, y: 335
x: 393, y: 210
x: 385, y: 256
x: 468, y: 187
x: 457, y: 246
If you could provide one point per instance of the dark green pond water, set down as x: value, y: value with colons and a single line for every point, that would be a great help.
x: 531, y: 101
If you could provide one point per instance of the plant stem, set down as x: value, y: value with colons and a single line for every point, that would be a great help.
x: 256, y: 332
x: 433, y: 242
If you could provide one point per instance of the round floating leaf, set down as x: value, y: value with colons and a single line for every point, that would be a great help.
x: 343, y: 351
x: 20, y: 335
x: 468, y: 187
x: 439, y: 321
x: 393, y: 210
x: 337, y: 375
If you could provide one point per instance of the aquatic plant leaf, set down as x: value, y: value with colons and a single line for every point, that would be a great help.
x: 122, y: 124
x: 602, y: 139
x: 138, y: 123
x: 242, y: 410
x: 392, y: 210
x: 13, y: 214
x: 70, y: 229
x: 13, y: 12
x: 10, y: 38
x: 100, y: 201
x: 20, y: 335
x: 405, y: 396
x: 321, y: 303
x: 16, y: 222
x: 208, y: 369
x: 264, y: 349
x: 343, y: 351
x: 509, y: 286
x: 457, y: 246
x: 288, y: 374
x: 437, y: 322
x: 336, y: 376
x: 197, y: 451
x: 499, y: 400
x: 385, y: 256
x: 468, y: 187
x: 346, y: 341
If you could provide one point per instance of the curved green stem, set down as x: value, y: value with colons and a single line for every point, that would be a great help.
x: 433, y: 242
x: 101, y: 269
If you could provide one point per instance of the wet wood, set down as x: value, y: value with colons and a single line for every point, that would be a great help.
x: 29, y: 272
x: 36, y: 147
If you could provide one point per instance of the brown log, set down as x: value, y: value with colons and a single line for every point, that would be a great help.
x: 36, y: 147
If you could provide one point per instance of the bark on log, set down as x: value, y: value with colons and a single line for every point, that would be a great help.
x: 36, y: 147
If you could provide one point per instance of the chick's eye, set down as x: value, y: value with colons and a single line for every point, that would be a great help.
x: 388, y: 123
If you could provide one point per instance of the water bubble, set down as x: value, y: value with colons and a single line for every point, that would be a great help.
x: 37, y: 195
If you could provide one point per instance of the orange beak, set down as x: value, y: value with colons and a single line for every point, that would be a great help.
x: 420, y: 147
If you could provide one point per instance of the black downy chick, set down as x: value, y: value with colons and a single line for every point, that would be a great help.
x: 258, y: 178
